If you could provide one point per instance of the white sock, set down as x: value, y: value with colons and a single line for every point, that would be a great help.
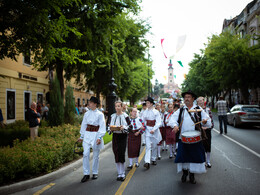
x: 208, y: 157
x: 159, y: 151
x: 164, y: 145
x: 130, y: 161
x: 136, y: 160
x: 174, y: 147
x: 170, y: 148
x: 118, y: 169
x: 122, y: 169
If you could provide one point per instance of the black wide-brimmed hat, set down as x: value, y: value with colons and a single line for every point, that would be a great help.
x: 94, y: 100
x: 149, y: 99
x: 189, y: 92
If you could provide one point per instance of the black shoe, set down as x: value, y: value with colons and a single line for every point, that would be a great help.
x: 154, y: 163
x: 118, y: 178
x: 130, y: 167
x: 184, y: 175
x: 221, y: 133
x: 147, y: 165
x: 143, y: 144
x: 85, y: 178
x: 225, y: 133
x: 159, y: 158
x: 136, y: 164
x: 171, y: 156
x: 122, y: 178
x: 94, y: 176
x: 163, y: 150
x: 192, y: 178
x: 208, y: 165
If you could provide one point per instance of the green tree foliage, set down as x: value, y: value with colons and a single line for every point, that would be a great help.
x: 158, y: 88
x: 227, y: 63
x: 69, y: 110
x: 56, y: 113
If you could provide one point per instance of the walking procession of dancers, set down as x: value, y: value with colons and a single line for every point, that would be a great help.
x: 182, y: 131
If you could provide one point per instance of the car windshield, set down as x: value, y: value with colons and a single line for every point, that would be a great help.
x: 251, y: 109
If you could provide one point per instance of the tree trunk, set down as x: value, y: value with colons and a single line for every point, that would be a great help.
x: 245, y: 95
x: 59, y: 72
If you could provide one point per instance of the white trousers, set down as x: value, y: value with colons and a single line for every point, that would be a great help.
x: 95, y: 160
x: 151, y: 149
x: 143, y: 138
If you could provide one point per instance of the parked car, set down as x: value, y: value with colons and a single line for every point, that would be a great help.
x: 244, y: 114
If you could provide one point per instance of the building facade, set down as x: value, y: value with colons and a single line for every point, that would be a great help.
x: 246, y: 23
x: 21, y: 84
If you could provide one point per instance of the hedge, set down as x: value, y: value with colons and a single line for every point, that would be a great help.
x: 28, y: 158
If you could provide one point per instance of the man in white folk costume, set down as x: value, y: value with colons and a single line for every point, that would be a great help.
x: 152, y: 120
x: 92, y: 131
x: 191, y: 154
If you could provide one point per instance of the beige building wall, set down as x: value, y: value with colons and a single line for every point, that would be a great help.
x: 20, y: 84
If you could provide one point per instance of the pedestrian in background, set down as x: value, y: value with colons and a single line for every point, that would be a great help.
x: 93, y: 129
x: 222, y: 114
x: 45, y: 111
x: 34, y: 121
x: 206, y: 142
x: 1, y: 119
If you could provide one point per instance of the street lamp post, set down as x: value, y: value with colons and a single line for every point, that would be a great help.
x: 148, y: 74
x: 112, y: 87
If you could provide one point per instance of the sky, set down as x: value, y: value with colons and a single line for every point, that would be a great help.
x: 195, y: 19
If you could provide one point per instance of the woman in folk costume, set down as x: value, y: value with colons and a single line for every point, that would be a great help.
x: 162, y: 143
x: 170, y: 134
x: 122, y: 122
x: 206, y: 142
x: 93, y: 129
x: 152, y: 120
x: 134, y: 138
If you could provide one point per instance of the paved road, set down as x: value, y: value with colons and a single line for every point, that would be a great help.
x: 235, y: 170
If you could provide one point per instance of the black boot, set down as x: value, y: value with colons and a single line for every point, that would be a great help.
x: 184, y: 175
x: 192, y: 178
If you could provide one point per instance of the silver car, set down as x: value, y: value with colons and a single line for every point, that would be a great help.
x: 244, y: 114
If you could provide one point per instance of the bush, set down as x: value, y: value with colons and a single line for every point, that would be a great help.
x: 56, y: 113
x: 69, y: 111
x: 48, y: 152
x: 17, y: 130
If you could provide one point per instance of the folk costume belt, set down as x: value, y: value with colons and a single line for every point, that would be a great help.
x: 150, y: 123
x: 92, y: 128
x: 135, y: 130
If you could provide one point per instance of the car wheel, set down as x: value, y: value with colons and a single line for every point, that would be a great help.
x: 234, y: 122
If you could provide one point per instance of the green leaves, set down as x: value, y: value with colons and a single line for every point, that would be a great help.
x: 227, y: 63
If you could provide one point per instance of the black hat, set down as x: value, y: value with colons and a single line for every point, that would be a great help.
x: 149, y: 99
x: 94, y: 100
x: 189, y: 92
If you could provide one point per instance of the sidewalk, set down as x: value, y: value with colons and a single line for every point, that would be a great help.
x: 9, y: 189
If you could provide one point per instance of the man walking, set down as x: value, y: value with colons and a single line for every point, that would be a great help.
x: 190, y: 157
x: 222, y: 114
x: 92, y: 131
x: 151, y: 117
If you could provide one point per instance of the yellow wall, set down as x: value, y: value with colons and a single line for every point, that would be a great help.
x: 10, y: 79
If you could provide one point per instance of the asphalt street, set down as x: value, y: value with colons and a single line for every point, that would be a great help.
x: 235, y: 170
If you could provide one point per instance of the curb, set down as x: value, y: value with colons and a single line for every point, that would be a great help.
x: 23, y: 185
